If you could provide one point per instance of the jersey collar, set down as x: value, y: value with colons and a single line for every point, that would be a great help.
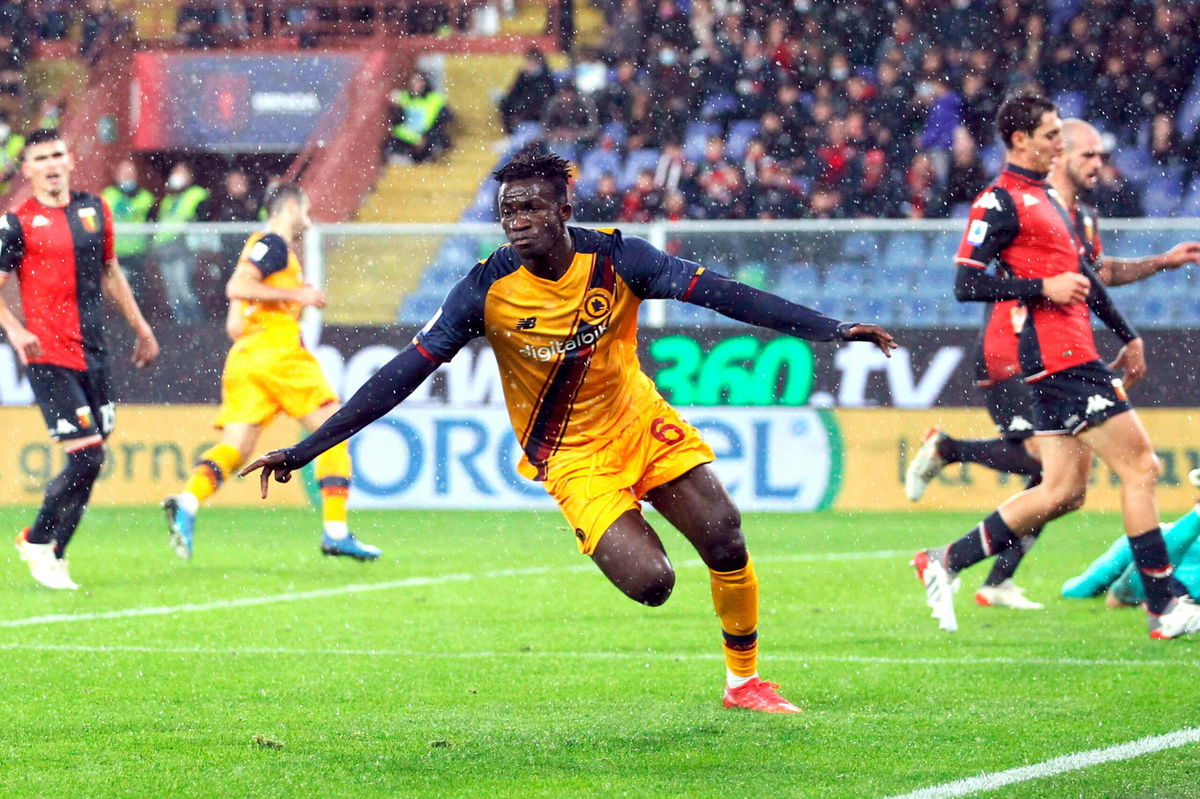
x: 1028, y: 175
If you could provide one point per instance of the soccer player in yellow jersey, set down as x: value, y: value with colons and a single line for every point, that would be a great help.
x: 559, y: 307
x: 268, y: 370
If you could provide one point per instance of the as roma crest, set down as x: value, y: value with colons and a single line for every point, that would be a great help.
x: 597, y: 305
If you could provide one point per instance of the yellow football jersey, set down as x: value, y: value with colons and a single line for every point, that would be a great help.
x: 567, y: 348
x: 272, y: 320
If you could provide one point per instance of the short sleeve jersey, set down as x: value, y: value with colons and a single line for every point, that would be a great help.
x: 1019, y: 224
x: 58, y: 256
x: 566, y: 348
x: 273, y: 321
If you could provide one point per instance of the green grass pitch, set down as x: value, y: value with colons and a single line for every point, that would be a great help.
x: 489, y: 659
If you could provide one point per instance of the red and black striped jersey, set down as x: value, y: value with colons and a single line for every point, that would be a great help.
x: 1019, y: 223
x: 58, y: 256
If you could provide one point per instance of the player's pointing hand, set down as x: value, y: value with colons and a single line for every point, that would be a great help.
x: 874, y: 334
x: 271, y: 463
x: 1187, y: 252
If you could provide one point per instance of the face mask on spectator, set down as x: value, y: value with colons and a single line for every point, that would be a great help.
x: 127, y: 186
x: 667, y: 57
x: 4, y: 131
x: 176, y: 182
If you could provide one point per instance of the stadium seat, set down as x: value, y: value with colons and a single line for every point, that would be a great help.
x: 595, y: 164
x: 903, y: 249
x: 797, y: 282
x: 1135, y: 164
x: 1187, y: 119
x: 740, y: 134
x: 567, y: 150
x: 419, y: 307
x: 1070, y: 104
x: 1162, y: 195
x: 848, y: 280
x: 717, y: 105
x: 616, y: 132
x: 1190, y: 206
x: 862, y: 247
x: 635, y: 162
x: 524, y: 133
x: 696, y: 136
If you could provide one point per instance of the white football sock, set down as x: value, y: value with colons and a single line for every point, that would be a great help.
x: 734, y: 681
x: 337, y: 530
x: 188, y: 502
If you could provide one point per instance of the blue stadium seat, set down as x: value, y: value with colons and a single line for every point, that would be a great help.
x: 635, y: 162
x: 1162, y: 195
x: 419, y: 307
x: 568, y: 150
x: 863, y: 247
x: 595, y: 164
x: 903, y: 249
x: 717, y: 105
x: 1190, y: 206
x: 1188, y: 117
x: 1134, y: 163
x: 1070, y: 104
x: 797, y: 282
x: 849, y: 280
x: 524, y: 133
x: 688, y: 315
x: 919, y: 312
x: 617, y: 133
x: 740, y: 134
x: 696, y: 136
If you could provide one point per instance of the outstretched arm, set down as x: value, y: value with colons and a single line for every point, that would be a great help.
x: 748, y: 304
x: 1132, y: 357
x: 386, y: 389
x: 1120, y: 271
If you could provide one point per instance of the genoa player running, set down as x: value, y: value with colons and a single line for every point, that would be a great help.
x: 268, y: 370
x: 1080, y: 408
x: 559, y: 307
x: 1005, y: 393
x: 59, y: 244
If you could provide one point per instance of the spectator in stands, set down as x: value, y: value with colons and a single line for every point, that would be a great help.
x: 1115, y: 98
x: 627, y: 39
x: 614, y: 102
x: 945, y: 115
x: 603, y: 205
x: 101, y: 28
x: 642, y: 202
x: 525, y: 99
x: 979, y: 107
x: 184, y: 203
x: 235, y: 203
x: 673, y: 172
x: 196, y: 25
x: 776, y: 194
x: 922, y: 196
x: 874, y: 193
x: 825, y: 202
x: 420, y: 118
x: 670, y: 25
x: 12, y: 74
x: 754, y: 82
x: 723, y: 192
x: 53, y: 19
x: 571, y: 117
x: 131, y: 203
x: 1166, y: 145
x: 11, y: 145
x: 1113, y: 196
x: 965, y: 177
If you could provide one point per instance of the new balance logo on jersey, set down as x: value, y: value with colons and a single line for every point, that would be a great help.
x: 568, y: 347
x: 527, y: 323
x: 988, y: 202
x: 1097, y: 403
x: 1019, y: 424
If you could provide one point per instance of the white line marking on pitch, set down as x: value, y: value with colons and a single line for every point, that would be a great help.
x: 1059, y: 765
x: 408, y: 582
x: 550, y: 655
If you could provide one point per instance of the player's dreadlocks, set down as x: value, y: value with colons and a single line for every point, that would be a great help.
x: 531, y: 162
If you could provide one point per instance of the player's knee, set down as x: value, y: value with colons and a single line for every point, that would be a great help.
x: 727, y: 553
x: 653, y: 586
x: 1067, y: 499
x: 88, y: 461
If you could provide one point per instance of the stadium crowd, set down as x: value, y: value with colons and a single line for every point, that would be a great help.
x: 720, y: 109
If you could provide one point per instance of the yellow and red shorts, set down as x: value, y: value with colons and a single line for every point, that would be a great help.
x: 260, y: 381
x: 594, y: 485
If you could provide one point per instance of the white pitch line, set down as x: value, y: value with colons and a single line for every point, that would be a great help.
x: 569, y: 655
x: 408, y: 582
x: 1058, y: 765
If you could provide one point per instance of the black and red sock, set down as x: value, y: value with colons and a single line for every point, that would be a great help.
x: 1158, y: 575
x: 1000, y: 454
x: 990, y: 536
